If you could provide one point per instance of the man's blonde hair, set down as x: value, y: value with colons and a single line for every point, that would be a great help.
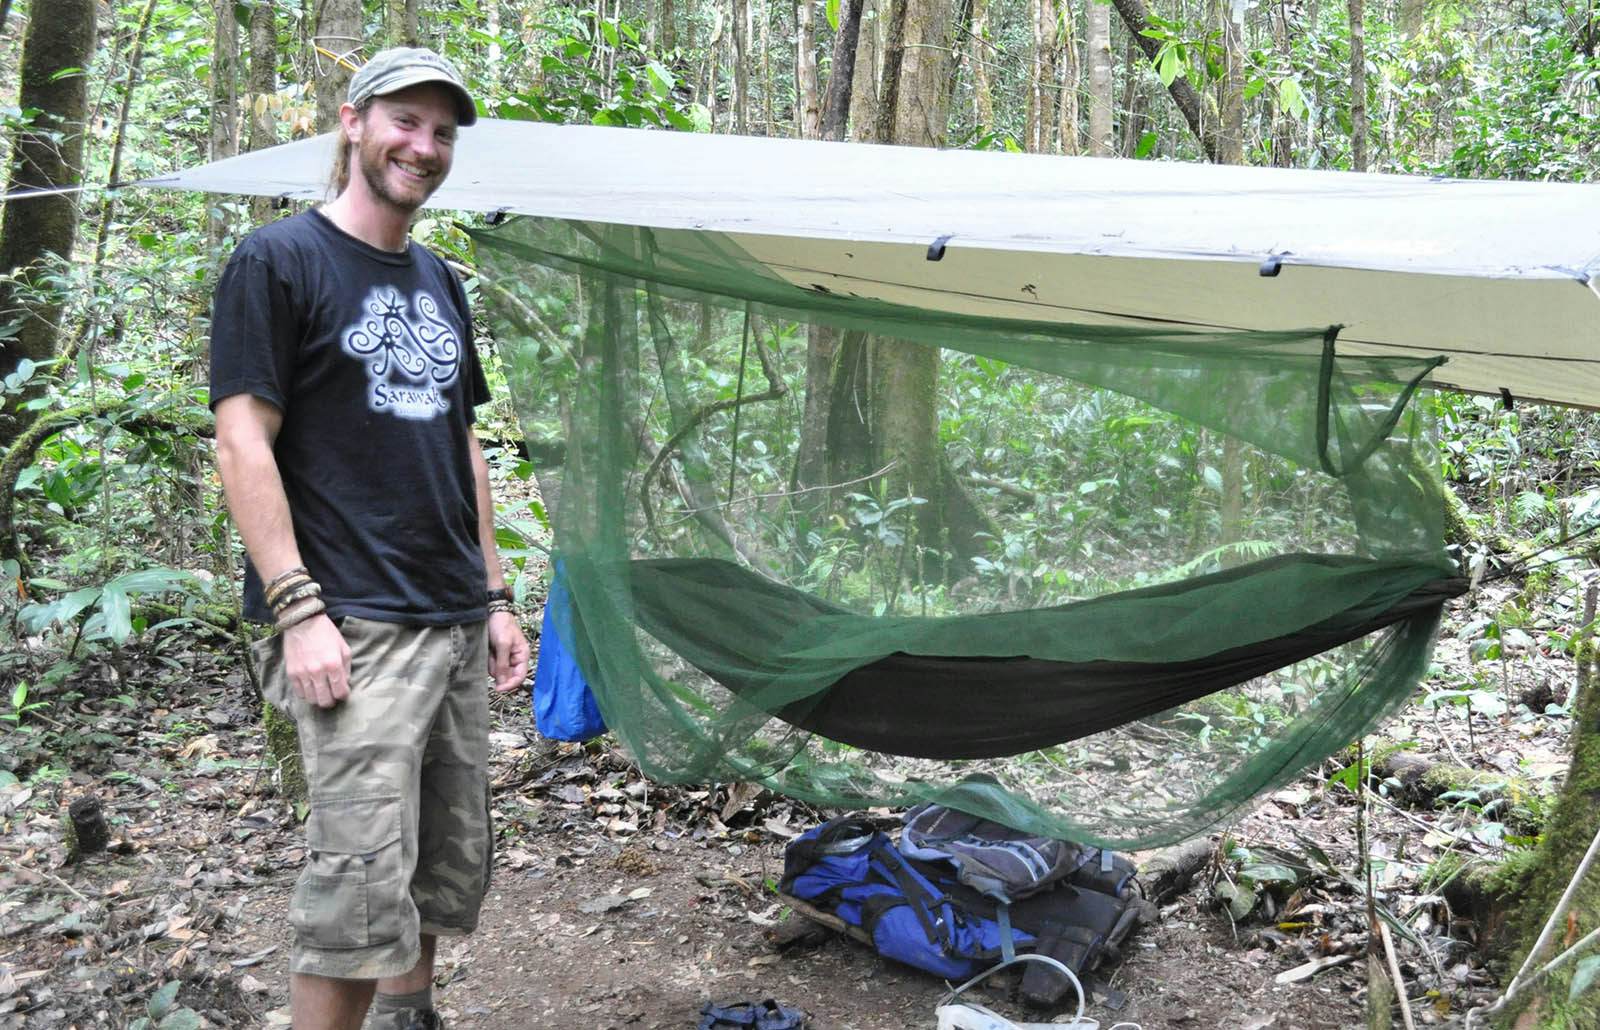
x: 339, y: 178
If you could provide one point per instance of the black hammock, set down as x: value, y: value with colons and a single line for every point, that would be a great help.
x: 719, y: 617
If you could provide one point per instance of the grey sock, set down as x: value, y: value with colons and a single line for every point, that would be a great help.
x: 386, y: 1006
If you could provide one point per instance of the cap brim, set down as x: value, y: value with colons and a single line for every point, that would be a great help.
x: 466, y: 110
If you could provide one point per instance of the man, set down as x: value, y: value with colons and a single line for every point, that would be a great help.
x: 343, y: 379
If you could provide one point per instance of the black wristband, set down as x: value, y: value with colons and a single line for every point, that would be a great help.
x: 498, y: 594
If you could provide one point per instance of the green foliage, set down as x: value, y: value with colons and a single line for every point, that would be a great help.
x: 164, y: 1013
x: 596, y: 69
x: 21, y: 707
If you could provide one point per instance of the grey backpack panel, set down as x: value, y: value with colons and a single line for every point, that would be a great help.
x: 998, y: 861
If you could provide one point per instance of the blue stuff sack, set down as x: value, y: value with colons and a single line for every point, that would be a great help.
x: 563, y: 705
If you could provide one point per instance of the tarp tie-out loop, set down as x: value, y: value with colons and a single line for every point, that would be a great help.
x: 936, y: 248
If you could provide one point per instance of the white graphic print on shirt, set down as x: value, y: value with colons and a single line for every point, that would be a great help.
x: 412, y: 353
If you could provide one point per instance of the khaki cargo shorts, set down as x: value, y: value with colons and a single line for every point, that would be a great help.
x: 398, y: 835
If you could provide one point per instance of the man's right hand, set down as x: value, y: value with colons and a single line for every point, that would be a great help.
x: 317, y: 661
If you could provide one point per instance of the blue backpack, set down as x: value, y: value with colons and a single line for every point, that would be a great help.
x: 917, y: 910
x: 852, y: 871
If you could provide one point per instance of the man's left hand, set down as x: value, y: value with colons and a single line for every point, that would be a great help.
x: 508, y: 652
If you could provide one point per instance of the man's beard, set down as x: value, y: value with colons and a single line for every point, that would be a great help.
x: 375, y: 168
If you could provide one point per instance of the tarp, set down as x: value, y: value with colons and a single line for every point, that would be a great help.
x: 1497, y: 276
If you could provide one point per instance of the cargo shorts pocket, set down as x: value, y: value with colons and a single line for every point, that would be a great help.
x: 353, y: 890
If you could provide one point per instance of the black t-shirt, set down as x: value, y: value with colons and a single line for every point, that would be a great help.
x: 369, y: 356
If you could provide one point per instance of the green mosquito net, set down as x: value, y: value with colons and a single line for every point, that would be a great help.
x: 1101, y: 583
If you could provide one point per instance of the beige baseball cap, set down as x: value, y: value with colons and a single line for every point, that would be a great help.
x: 400, y: 67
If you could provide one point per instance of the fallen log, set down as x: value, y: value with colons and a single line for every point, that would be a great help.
x: 1170, y: 872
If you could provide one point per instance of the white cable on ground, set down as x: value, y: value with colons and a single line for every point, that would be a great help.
x: 970, y: 1016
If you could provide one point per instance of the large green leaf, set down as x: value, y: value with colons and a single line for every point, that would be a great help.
x: 152, y: 580
x: 118, y: 612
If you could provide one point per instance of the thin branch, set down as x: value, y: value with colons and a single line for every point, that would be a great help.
x: 1394, y: 974
x: 776, y: 388
x: 1009, y: 489
x: 1183, y: 92
x: 113, y: 176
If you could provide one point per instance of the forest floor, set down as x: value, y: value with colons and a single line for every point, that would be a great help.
x: 618, y: 903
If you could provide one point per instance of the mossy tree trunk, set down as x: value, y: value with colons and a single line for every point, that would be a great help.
x: 1572, y: 826
x: 822, y: 342
x: 37, y: 234
x: 864, y: 76
x: 400, y: 23
x: 898, y: 423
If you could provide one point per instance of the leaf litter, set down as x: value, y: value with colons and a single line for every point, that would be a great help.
x: 183, y: 916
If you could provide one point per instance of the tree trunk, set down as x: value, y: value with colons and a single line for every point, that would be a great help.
x: 805, y: 70
x: 706, y: 83
x: 769, y: 119
x: 1358, y: 86
x: 960, y: 28
x: 46, y: 154
x: 741, y: 67
x: 339, y: 34
x: 1071, y: 80
x: 224, y: 141
x: 1097, y: 25
x: 1041, y: 77
x: 842, y: 71
x: 822, y: 342
x: 902, y: 378
x: 399, y: 23
x: 666, y: 34
x: 1230, y: 151
x: 864, y: 87
x: 1135, y: 103
x: 914, y: 59
x: 1183, y: 92
x: 1282, y: 120
x: 1230, y: 141
x: 978, y: 55
x: 262, y: 93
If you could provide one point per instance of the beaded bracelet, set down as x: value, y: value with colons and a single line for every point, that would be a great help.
x: 498, y: 605
x: 283, y: 584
